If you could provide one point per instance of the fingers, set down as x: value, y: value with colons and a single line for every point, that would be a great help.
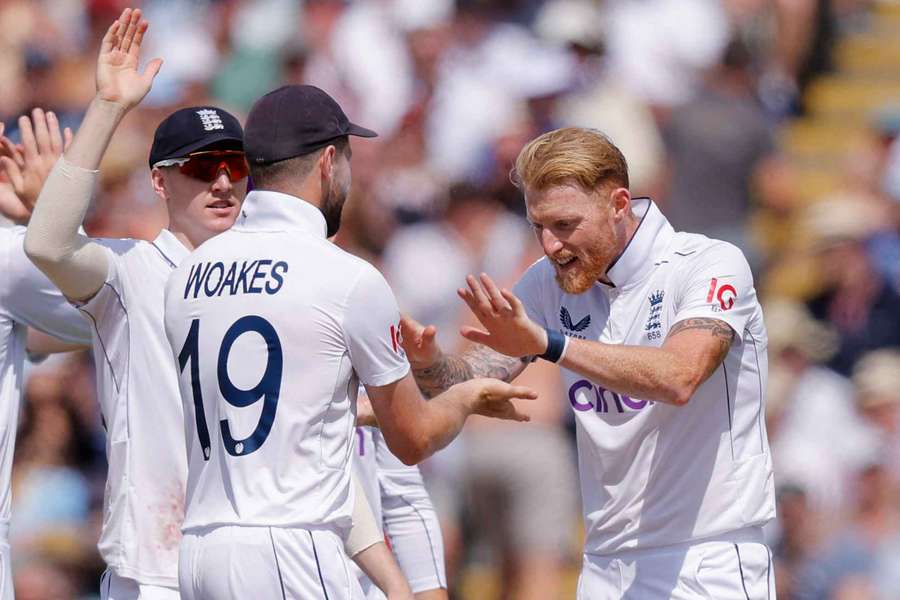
x: 522, y: 392
x: 480, y: 296
x: 514, y: 302
x: 13, y: 173
x: 41, y: 131
x: 498, y: 302
x: 135, y: 48
x: 56, y: 139
x: 8, y: 148
x: 111, y: 39
x: 410, y: 329
x: 67, y: 138
x: 130, y: 31
x: 29, y: 143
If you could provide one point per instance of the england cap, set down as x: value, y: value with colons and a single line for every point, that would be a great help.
x: 190, y: 129
x: 295, y: 120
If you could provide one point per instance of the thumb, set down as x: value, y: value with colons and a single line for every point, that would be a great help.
x: 475, y: 335
x: 151, y: 70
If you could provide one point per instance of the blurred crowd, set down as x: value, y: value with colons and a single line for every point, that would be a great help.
x: 695, y: 92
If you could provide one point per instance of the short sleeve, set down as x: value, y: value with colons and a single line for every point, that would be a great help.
x: 717, y: 284
x: 528, y: 290
x: 109, y: 301
x: 372, y: 330
x: 32, y: 299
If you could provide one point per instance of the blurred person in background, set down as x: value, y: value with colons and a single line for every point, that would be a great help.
x: 722, y: 153
x: 853, y: 297
x: 27, y: 298
x: 818, y: 441
x: 876, y: 378
x: 859, y: 561
x: 796, y: 540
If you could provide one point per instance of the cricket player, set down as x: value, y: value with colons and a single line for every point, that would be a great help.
x: 403, y: 508
x: 27, y: 298
x: 198, y: 169
x: 275, y: 327
x: 663, y: 350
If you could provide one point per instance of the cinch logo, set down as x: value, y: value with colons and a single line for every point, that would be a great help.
x: 726, y: 294
x: 566, y: 319
x: 584, y: 396
x: 210, y: 119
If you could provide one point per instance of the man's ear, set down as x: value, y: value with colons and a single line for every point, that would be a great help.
x: 158, y: 181
x: 621, y: 202
x: 326, y: 162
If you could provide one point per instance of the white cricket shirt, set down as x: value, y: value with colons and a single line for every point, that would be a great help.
x: 274, y: 327
x: 654, y: 474
x: 27, y: 299
x: 137, y: 385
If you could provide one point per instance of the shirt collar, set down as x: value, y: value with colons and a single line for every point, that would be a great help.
x: 651, y: 237
x: 264, y: 210
x: 171, y: 248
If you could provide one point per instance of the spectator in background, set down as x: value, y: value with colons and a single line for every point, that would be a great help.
x: 877, y: 380
x: 598, y: 99
x: 854, y: 297
x: 860, y: 562
x: 818, y: 441
x: 795, y: 541
x: 720, y: 147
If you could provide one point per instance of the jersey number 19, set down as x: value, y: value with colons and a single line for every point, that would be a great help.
x: 267, y: 389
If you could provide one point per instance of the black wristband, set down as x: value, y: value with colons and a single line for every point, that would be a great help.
x: 556, y: 345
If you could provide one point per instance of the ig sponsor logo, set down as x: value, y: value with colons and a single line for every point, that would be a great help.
x: 725, y: 294
x: 584, y: 396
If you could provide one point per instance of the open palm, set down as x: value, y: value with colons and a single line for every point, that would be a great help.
x: 118, y: 78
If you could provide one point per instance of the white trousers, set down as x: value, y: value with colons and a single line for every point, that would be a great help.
x: 114, y: 587
x: 224, y: 563
x: 715, y: 570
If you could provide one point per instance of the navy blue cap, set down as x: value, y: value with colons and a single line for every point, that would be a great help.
x: 295, y: 120
x: 191, y: 129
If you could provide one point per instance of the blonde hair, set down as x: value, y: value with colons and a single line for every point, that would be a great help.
x: 570, y: 155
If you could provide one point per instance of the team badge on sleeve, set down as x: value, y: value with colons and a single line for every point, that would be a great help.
x: 725, y: 294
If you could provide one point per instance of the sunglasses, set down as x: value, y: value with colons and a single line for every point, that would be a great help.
x: 207, y: 165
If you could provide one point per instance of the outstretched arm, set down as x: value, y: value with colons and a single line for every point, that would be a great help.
x: 75, y: 264
x: 435, y: 372
x: 692, y: 351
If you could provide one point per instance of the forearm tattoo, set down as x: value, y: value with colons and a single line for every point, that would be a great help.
x: 480, y: 361
x: 720, y: 330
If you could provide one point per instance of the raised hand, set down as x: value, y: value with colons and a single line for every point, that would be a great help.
x: 507, y: 327
x: 26, y: 166
x: 118, y: 79
x: 494, y: 399
x: 418, y: 342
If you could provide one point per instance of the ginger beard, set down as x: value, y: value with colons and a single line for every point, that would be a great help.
x: 588, y: 267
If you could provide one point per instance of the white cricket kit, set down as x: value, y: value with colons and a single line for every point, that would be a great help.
x: 137, y: 385
x: 402, y: 506
x: 655, y: 475
x: 27, y: 299
x: 274, y: 327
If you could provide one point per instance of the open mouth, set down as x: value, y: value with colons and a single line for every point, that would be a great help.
x: 565, y: 263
